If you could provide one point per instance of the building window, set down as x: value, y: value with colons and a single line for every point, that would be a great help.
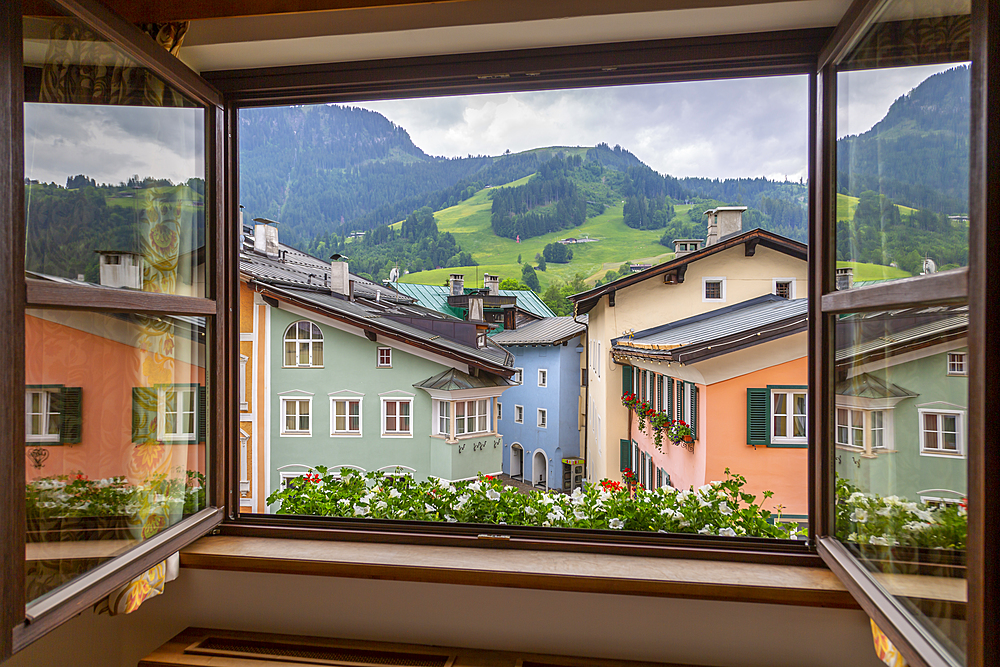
x: 396, y: 413
x: 53, y: 414
x: 244, y: 405
x: 303, y: 345
x: 543, y: 377
x: 788, y: 416
x: 178, y: 408
x: 713, y: 289
x: 543, y: 417
x: 956, y: 363
x: 472, y: 416
x: 518, y: 377
x: 499, y: 411
x: 345, y: 416
x: 777, y: 416
x: 385, y: 357
x: 784, y: 287
x: 518, y: 414
x: 296, y: 416
x: 444, y: 418
x: 851, y: 428
x: 941, y: 433
x: 878, y: 429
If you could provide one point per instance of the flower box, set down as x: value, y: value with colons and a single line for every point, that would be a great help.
x: 77, y: 528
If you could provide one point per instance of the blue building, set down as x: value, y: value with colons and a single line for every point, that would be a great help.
x: 540, y: 415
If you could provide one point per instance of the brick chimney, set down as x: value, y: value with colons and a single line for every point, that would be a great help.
x: 456, y: 284
x: 845, y: 278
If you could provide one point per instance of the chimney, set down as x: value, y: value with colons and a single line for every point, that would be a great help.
x: 456, y: 284
x: 492, y: 283
x: 845, y: 278
x: 724, y: 221
x: 685, y: 246
x: 120, y: 269
x: 475, y: 308
x: 265, y: 237
x: 340, y: 281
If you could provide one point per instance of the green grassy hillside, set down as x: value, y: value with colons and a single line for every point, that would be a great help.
x: 469, y: 222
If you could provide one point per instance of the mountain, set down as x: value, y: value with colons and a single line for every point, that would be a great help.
x: 918, y: 154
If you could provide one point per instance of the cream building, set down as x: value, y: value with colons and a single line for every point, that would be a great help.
x: 736, y: 267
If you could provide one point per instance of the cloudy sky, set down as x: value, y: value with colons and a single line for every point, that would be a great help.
x: 112, y: 143
x: 716, y: 129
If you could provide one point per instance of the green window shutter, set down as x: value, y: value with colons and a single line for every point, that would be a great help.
x: 71, y: 425
x: 680, y: 400
x: 694, y: 410
x: 758, y: 426
x: 659, y: 392
x: 626, y: 380
x: 144, y: 414
x: 625, y: 461
x: 202, y: 414
x: 670, y: 398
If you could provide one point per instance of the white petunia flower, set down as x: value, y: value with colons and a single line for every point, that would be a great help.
x: 429, y: 508
x: 394, y: 493
x: 360, y: 510
x: 707, y: 530
x: 859, y: 515
x: 616, y: 524
x: 924, y: 515
x: 881, y: 541
x: 727, y: 532
x: 476, y: 486
x: 725, y: 509
x: 493, y: 494
x: 381, y: 505
x: 530, y: 511
x: 579, y: 514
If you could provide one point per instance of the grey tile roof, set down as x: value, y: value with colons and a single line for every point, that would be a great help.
x: 747, y: 317
x: 949, y: 326
x: 546, y: 331
x: 381, y: 315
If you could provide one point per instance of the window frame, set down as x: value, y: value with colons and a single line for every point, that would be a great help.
x: 47, y: 439
x: 791, y: 286
x: 398, y: 400
x: 20, y: 625
x: 297, y: 397
x: 958, y: 367
x: 940, y: 452
x: 298, y: 341
x: 379, y: 363
x: 543, y: 377
x: 542, y: 418
x: 722, y: 289
x: 789, y: 391
x: 347, y: 397
x: 518, y: 414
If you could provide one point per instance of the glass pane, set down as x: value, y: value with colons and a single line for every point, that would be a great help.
x: 114, y: 165
x: 317, y: 353
x: 903, y: 145
x: 112, y: 477
x: 901, y: 499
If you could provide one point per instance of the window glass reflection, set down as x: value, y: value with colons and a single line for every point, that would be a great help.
x: 116, y: 431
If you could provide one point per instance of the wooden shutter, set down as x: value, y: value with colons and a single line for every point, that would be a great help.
x: 202, y: 414
x: 680, y: 400
x: 143, y: 414
x: 693, y: 392
x: 758, y: 421
x: 659, y: 392
x: 625, y: 457
x: 670, y: 398
x: 626, y: 380
x: 71, y: 424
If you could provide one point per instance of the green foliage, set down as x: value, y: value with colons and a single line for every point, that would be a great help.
x: 556, y: 295
x: 541, y: 263
x: 557, y: 252
x: 719, y: 508
x: 871, y: 519
x: 548, y: 202
x: 529, y: 278
x: 513, y: 284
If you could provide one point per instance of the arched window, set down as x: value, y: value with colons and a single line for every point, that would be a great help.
x: 303, y: 345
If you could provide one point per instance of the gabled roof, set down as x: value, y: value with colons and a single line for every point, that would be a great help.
x: 717, y: 332
x: 454, y: 380
x: 436, y: 297
x: 585, y: 301
x: 547, y: 331
x: 870, y: 336
x: 871, y: 387
x: 407, y: 323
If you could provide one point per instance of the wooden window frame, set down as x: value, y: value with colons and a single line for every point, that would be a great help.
x: 21, y: 625
x: 977, y: 285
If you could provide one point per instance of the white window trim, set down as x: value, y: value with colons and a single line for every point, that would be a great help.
x: 489, y: 420
x: 964, y: 362
x: 46, y: 398
x: 499, y: 410
x: 396, y: 434
x: 518, y: 376
x: 538, y: 416
x: 378, y: 357
x: 343, y: 396
x: 722, y: 289
x: 321, y: 339
x: 788, y: 440
x: 959, y: 433
x: 436, y: 411
x: 295, y: 434
x: 543, y: 377
x: 161, y: 414
x: 244, y: 405
x: 791, y: 287
x: 518, y: 410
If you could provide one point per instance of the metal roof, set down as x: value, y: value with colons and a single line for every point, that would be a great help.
x: 869, y: 386
x: 547, y: 331
x: 454, y: 379
x: 946, y: 327
x: 436, y: 297
x: 755, y: 317
x: 381, y: 315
